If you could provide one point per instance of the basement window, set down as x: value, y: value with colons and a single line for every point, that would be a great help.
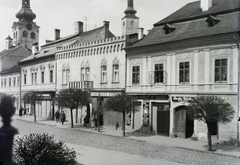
x: 168, y: 28
x: 212, y: 20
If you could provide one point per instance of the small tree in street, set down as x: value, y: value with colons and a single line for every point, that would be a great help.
x: 209, y: 109
x: 32, y: 97
x: 120, y: 103
x: 72, y: 99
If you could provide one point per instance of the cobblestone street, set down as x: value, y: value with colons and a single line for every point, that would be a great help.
x: 123, y: 146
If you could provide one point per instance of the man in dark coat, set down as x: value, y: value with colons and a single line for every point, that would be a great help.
x: 63, y: 117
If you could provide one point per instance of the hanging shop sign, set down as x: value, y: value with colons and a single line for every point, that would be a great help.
x: 182, y: 99
x: 104, y: 94
x: 152, y: 97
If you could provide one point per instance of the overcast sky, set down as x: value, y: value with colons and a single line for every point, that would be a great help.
x: 62, y: 14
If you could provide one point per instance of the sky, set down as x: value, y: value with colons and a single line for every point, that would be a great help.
x: 62, y: 14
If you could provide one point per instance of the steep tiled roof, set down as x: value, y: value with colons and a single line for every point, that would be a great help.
x: 193, y: 10
x: 49, y: 49
x: 5, y: 52
x: 14, y: 69
x: 188, y: 29
x: 93, y: 35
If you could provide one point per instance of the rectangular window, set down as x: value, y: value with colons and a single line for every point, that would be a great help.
x: 14, y: 81
x: 1, y: 82
x: 82, y: 74
x: 32, y: 78
x: 18, y: 80
x: 184, y: 72
x: 5, y: 82
x: 135, y: 74
x: 104, y: 74
x: 51, y: 76
x: 221, y: 70
x: 158, y: 73
x: 63, y: 76
x: 116, y: 73
x: 87, y: 74
x: 25, y: 79
x: 35, y: 78
x: 67, y: 76
x: 10, y: 82
x: 42, y: 77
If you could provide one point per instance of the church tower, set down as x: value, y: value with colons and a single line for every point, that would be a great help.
x: 130, y: 23
x: 25, y: 31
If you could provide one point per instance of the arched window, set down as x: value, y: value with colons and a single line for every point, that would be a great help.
x: 104, y: 71
x: 33, y: 35
x: 25, y: 34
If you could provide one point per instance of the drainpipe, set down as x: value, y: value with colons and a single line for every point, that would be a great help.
x: 238, y: 105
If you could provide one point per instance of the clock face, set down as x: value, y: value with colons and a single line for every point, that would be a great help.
x: 29, y: 26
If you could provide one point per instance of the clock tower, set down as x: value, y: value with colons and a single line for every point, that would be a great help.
x: 130, y: 23
x: 25, y: 31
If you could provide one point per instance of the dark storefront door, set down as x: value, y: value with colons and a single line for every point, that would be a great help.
x: 163, y: 122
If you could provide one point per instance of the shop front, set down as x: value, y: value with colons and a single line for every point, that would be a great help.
x: 98, y: 98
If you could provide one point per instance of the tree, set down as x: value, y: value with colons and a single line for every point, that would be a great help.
x: 209, y: 109
x: 32, y: 97
x: 72, y: 99
x: 41, y: 149
x: 120, y: 103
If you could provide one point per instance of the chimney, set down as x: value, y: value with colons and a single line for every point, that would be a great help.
x: 79, y: 27
x: 140, y: 33
x: 206, y: 4
x: 57, y: 34
x: 8, y: 42
x: 106, y: 27
x: 34, y: 48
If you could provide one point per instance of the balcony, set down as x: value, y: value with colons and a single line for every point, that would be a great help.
x: 81, y: 84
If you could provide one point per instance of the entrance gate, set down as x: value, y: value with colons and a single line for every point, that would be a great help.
x: 163, y: 118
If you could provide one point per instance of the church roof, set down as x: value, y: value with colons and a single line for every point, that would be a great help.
x: 188, y: 28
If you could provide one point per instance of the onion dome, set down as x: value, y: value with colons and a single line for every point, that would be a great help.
x: 130, y: 11
x: 26, y: 13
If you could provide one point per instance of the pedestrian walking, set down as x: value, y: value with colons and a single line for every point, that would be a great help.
x: 57, y: 116
x: 93, y: 122
x: 63, y: 117
x: 96, y: 122
x: 21, y: 111
x: 24, y: 112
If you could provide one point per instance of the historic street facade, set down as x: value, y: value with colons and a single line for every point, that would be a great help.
x: 194, y: 51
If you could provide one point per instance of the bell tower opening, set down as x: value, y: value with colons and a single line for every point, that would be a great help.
x: 130, y: 22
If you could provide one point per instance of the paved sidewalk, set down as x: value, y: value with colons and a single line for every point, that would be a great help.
x: 201, y: 146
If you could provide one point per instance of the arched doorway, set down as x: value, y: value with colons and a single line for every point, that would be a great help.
x: 184, y: 126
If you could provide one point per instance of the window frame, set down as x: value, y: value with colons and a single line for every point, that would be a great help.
x: 116, y: 72
x: 104, y: 74
x: 136, y: 75
x: 160, y: 71
x: 184, y: 72
x: 51, y: 76
x: 221, y: 67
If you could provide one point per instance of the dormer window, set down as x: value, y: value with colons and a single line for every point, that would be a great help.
x: 168, y: 28
x: 212, y: 21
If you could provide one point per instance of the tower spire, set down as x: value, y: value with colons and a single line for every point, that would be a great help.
x: 26, y: 13
x: 130, y: 11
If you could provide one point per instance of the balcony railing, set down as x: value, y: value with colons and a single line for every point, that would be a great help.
x: 81, y: 84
